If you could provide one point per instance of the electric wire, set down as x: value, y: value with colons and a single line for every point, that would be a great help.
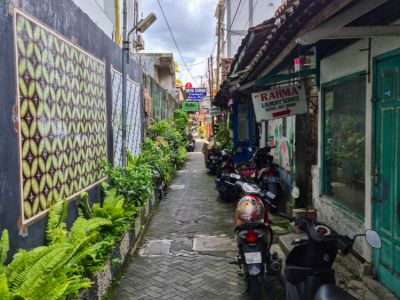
x: 230, y: 26
x: 228, y: 30
x: 176, y: 44
x: 247, y: 23
x: 198, y: 63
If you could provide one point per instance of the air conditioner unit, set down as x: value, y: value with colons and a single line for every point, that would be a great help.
x: 139, y: 43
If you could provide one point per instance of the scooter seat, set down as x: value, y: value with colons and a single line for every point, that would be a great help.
x: 332, y: 292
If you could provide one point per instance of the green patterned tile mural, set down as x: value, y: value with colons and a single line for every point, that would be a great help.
x: 62, y: 124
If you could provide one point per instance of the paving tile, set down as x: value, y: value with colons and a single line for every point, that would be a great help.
x: 181, y: 272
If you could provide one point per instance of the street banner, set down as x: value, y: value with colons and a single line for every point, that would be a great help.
x: 190, y: 106
x: 278, y: 103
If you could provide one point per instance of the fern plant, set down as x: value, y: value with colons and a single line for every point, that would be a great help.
x: 39, y: 273
x: 4, y: 247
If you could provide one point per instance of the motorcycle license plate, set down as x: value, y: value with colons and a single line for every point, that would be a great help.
x: 253, y: 258
x: 272, y: 179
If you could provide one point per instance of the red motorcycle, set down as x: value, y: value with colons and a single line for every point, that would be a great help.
x: 254, y: 237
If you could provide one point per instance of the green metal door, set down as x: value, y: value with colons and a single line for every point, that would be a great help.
x: 387, y: 191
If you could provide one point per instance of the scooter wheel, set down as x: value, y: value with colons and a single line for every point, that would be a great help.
x: 255, y: 287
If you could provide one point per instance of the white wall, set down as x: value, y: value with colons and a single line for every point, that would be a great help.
x: 102, y: 12
x: 263, y: 10
x: 95, y: 10
x: 346, y: 62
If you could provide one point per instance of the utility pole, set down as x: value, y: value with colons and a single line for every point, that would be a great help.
x: 212, y: 92
x: 218, y: 43
x: 212, y: 76
x: 209, y: 78
x: 125, y: 48
x: 141, y: 27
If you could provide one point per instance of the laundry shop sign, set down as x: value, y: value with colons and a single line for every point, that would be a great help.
x: 278, y: 103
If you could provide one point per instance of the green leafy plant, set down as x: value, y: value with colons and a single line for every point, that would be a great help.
x: 164, y: 130
x: 181, y: 120
x: 222, y: 137
x: 135, y: 183
x: 114, y: 209
x: 345, y: 145
x: 89, y: 249
x: 43, y: 272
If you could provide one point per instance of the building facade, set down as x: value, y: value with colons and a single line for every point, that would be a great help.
x: 160, y: 66
x: 238, y: 16
x: 107, y: 14
x: 356, y: 184
x: 347, y: 55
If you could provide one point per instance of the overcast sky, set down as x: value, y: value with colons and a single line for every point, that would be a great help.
x: 193, y: 25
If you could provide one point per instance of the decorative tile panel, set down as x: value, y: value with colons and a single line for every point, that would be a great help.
x: 62, y: 116
x: 133, y: 109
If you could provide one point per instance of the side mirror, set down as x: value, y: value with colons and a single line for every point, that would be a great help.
x: 373, y: 239
x: 295, y: 192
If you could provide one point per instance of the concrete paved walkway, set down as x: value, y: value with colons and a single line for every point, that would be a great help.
x: 188, y: 245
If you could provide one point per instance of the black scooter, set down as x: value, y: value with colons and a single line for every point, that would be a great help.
x: 226, y: 165
x: 308, y: 274
x: 267, y: 172
x: 213, y: 160
x: 226, y: 177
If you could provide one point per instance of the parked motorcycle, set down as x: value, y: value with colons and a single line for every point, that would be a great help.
x: 225, y: 185
x: 308, y: 274
x: 267, y: 172
x: 191, y: 145
x: 226, y: 165
x: 254, y: 237
x: 213, y: 160
x: 226, y: 177
x: 246, y: 168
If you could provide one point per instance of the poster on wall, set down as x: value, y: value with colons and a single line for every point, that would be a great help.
x: 62, y: 117
x: 277, y: 103
x: 133, y: 116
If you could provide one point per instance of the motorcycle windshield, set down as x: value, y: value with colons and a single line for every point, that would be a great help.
x: 251, y: 188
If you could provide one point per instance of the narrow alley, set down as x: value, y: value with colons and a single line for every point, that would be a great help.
x: 200, y: 149
x: 187, y: 248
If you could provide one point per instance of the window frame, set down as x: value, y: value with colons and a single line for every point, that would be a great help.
x: 322, y: 188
